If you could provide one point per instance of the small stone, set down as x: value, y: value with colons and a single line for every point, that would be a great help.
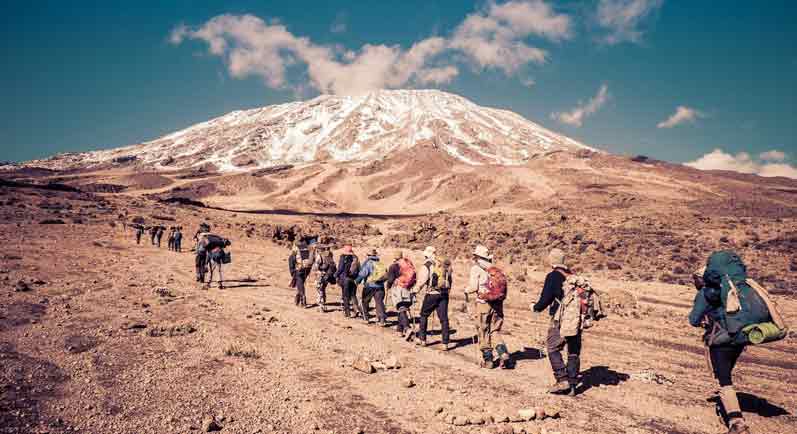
x: 533, y: 430
x: 461, y: 421
x: 379, y: 365
x: 500, y: 418
x: 477, y: 420
x: 408, y: 383
x: 392, y: 362
x: 540, y: 412
x: 516, y: 418
x: 450, y: 419
x: 21, y: 287
x: 439, y: 410
x: 363, y: 365
x: 527, y: 413
x: 551, y: 412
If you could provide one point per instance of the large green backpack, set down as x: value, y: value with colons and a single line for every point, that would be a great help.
x: 745, y: 305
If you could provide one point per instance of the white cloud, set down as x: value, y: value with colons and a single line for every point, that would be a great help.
x: 623, y: 19
x: 682, y: 115
x: 773, y: 155
x: 496, y: 37
x: 744, y: 163
x: 493, y: 38
x: 577, y: 115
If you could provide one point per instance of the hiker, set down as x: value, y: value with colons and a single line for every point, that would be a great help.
x: 170, y: 240
x: 348, y: 270
x: 488, y: 283
x: 153, y: 232
x: 300, y: 262
x: 732, y: 307
x: 139, y: 233
x: 434, y: 277
x: 326, y: 274
x: 212, y: 248
x: 178, y: 239
x: 159, y: 235
x: 201, y: 254
x: 401, y: 281
x: 372, y: 275
x: 565, y: 375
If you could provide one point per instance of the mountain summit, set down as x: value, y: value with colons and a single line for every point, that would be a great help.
x: 340, y: 128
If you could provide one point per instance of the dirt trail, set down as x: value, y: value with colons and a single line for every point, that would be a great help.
x: 94, y: 348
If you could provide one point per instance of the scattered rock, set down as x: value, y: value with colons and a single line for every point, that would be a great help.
x: 209, y: 424
x: 648, y: 376
x: 551, y: 412
x: 477, y: 420
x: 21, y: 286
x: 461, y: 421
x: 539, y: 413
x: 392, y: 362
x: 170, y: 331
x: 527, y: 413
x: 408, y: 383
x: 134, y: 325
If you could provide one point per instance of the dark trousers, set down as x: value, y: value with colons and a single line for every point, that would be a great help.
x: 378, y: 295
x: 403, y: 316
x: 158, y: 239
x: 555, y: 343
x: 177, y: 246
x: 434, y: 303
x: 200, y: 262
x: 138, y: 239
x: 171, y: 243
x: 298, y: 281
x: 348, y: 291
x: 723, y: 360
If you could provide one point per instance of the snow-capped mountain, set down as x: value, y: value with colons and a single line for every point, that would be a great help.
x: 339, y: 128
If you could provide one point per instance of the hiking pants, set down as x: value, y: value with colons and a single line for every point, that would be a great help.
x: 403, y: 316
x: 138, y: 238
x: 298, y: 279
x: 177, y: 246
x: 378, y: 294
x: 321, y: 289
x: 555, y: 343
x: 348, y: 290
x: 171, y: 243
x: 434, y: 303
x: 723, y: 360
x: 491, y: 320
x: 159, y: 241
x: 200, y: 262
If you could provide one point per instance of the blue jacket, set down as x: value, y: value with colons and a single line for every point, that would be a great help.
x: 365, y: 272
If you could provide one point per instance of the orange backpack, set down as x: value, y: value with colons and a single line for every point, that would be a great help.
x: 496, y: 285
x: 406, y: 277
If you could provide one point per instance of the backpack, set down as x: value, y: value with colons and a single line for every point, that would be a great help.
x: 750, y: 316
x: 378, y: 272
x: 354, y: 267
x: 496, y: 285
x: 579, y: 307
x: 304, y: 260
x: 439, y: 277
x: 407, y: 273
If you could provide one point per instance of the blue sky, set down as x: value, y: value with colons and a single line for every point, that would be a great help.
x: 99, y: 74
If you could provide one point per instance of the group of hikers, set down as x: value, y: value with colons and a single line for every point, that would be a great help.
x: 174, y: 240
x: 734, y: 309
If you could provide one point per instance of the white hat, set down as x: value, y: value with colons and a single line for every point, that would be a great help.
x: 557, y: 259
x: 482, y: 252
x: 429, y: 252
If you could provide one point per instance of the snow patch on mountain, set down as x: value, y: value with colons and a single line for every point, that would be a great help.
x: 339, y: 128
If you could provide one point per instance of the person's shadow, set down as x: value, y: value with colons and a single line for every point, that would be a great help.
x: 750, y: 403
x: 528, y: 354
x: 601, y: 376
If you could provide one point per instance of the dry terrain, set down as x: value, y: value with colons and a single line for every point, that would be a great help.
x: 100, y: 335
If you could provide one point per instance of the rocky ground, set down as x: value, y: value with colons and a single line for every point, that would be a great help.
x: 100, y: 335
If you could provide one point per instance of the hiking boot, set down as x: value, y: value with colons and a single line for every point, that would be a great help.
x: 561, y: 386
x: 450, y: 346
x: 487, y: 359
x: 408, y: 334
x: 739, y: 427
x: 420, y: 342
x: 573, y: 391
x: 505, y: 363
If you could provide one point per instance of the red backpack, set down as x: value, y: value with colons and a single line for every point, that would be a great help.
x: 406, y: 277
x: 496, y: 285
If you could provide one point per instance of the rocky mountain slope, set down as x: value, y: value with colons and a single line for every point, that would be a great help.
x: 338, y: 128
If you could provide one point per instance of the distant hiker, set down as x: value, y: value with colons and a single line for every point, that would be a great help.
x: 489, y: 284
x: 566, y: 376
x: 159, y: 235
x: 300, y: 263
x: 736, y: 311
x: 170, y: 240
x: 435, y: 276
x: 326, y: 275
x: 178, y: 240
x: 153, y: 232
x: 139, y: 233
x: 348, y: 270
x: 201, y: 260
x: 372, y: 275
x: 211, y: 247
x: 204, y: 228
x: 401, y: 279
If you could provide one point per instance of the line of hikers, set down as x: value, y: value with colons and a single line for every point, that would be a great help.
x: 735, y: 310
x: 174, y: 240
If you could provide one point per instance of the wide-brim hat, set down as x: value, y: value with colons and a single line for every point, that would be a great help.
x: 373, y: 252
x: 429, y: 252
x: 557, y: 259
x: 482, y: 252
